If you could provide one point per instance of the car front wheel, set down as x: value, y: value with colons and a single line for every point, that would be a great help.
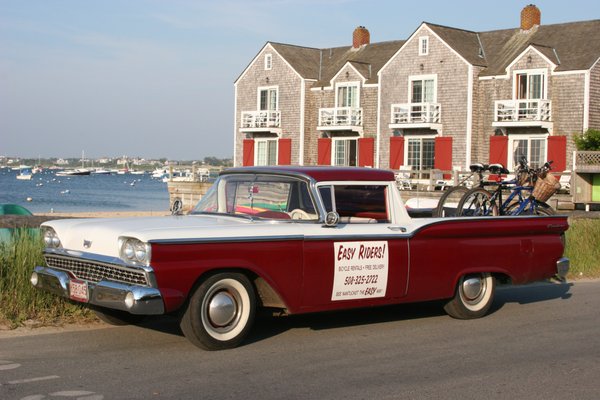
x: 220, y: 312
x: 473, y: 297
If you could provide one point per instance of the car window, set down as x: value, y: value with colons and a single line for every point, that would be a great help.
x: 264, y: 196
x: 357, y: 203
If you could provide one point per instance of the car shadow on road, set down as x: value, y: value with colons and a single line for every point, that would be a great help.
x: 268, y: 325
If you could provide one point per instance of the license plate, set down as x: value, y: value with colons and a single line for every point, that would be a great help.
x: 78, y: 290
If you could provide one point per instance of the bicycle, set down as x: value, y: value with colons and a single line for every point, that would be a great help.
x: 448, y: 203
x: 521, y: 200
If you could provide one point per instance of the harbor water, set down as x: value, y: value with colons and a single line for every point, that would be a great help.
x: 46, y: 192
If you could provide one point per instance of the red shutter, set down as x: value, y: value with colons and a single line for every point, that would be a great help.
x: 285, y: 152
x: 248, y: 152
x: 443, y: 155
x: 498, y: 150
x: 324, y: 157
x: 557, y: 152
x: 366, y: 152
x: 396, y: 152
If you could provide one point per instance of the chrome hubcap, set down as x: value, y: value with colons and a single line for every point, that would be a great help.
x: 472, y: 288
x: 222, y: 309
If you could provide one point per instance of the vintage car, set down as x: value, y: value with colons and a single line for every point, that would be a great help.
x: 298, y: 239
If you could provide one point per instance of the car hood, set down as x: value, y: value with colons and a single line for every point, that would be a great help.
x: 100, y: 235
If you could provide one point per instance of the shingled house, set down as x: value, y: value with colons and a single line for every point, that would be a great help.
x: 443, y: 98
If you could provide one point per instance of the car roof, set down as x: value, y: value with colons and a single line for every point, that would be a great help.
x: 320, y: 173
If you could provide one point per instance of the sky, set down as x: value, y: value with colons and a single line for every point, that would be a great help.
x: 154, y: 79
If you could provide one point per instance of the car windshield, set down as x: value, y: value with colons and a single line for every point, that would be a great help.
x: 263, y: 196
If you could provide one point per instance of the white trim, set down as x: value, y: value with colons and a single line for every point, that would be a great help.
x: 268, y: 88
x: 347, y: 84
x: 260, y: 140
x: 522, y: 136
x: 533, y: 71
x: 378, y: 133
x: 348, y: 63
x: 254, y: 60
x: 335, y: 139
x: 370, y: 85
x: 235, y: 125
x: 552, y: 73
x: 469, y: 135
x: 268, y: 61
x: 302, y: 122
x: 413, y: 78
x: 520, y: 56
x: 586, y: 102
x: 425, y: 40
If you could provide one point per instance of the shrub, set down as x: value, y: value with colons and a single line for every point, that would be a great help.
x: 589, y: 140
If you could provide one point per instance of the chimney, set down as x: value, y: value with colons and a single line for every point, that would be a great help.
x: 530, y: 16
x: 360, y: 37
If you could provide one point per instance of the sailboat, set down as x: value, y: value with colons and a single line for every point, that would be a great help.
x: 76, y: 171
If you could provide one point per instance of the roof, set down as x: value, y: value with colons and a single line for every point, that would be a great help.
x: 320, y: 173
x: 323, y: 64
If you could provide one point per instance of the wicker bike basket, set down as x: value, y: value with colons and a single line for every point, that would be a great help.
x: 545, y: 187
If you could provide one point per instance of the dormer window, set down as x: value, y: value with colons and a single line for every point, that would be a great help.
x: 423, y: 45
x: 268, y: 61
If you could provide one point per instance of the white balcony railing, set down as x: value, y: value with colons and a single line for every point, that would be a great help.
x: 522, y: 111
x: 261, y: 119
x: 340, y: 116
x: 416, y: 113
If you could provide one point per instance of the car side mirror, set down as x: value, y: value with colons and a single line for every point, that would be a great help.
x: 331, y: 219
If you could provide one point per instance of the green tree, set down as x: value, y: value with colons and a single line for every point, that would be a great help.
x: 589, y: 140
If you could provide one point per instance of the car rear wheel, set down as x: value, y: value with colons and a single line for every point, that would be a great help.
x: 473, y: 297
x: 220, y: 312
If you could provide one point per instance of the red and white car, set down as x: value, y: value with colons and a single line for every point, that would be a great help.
x: 301, y: 239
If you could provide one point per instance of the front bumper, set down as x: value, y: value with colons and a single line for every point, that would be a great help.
x: 119, y: 296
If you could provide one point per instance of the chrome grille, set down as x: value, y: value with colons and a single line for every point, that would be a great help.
x: 96, y: 271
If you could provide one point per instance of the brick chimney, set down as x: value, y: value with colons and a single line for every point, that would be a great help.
x: 530, y: 17
x: 360, y: 37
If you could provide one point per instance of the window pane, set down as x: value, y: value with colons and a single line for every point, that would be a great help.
x: 520, y: 150
x: 417, y: 91
x: 414, y: 153
x: 272, y: 149
x: 273, y: 99
x: 535, y: 86
x: 261, y: 153
x: 428, y: 91
x: 263, y: 99
x: 428, y: 153
x: 538, y: 153
x: 352, y: 153
x: 521, y: 86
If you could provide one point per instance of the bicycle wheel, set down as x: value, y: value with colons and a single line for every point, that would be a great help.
x: 448, y: 203
x: 541, y: 208
x: 476, y: 202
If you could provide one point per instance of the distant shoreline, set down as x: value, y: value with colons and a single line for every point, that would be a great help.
x: 34, y: 221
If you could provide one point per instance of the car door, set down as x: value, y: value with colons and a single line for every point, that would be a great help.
x: 363, y: 259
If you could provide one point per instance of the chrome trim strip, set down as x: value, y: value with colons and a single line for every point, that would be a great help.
x: 97, y: 258
x: 146, y: 301
x: 233, y: 239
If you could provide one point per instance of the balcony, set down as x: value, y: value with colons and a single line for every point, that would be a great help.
x: 523, y: 113
x: 261, y: 121
x: 340, y: 118
x: 416, y: 115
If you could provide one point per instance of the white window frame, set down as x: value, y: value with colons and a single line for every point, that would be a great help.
x: 423, y: 45
x: 355, y: 84
x: 266, y: 141
x: 413, y: 78
x: 408, y: 137
x: 334, y: 148
x: 269, y: 88
x: 538, y: 71
x: 268, y: 61
x: 520, y: 136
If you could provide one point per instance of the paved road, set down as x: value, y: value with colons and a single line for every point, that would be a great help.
x: 540, y: 342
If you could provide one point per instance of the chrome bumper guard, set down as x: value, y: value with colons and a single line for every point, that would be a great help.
x: 133, y: 299
x: 562, y: 268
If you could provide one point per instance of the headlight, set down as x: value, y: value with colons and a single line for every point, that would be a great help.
x: 134, y: 251
x: 50, y: 237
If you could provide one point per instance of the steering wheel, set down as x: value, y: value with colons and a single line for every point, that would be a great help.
x: 299, y: 214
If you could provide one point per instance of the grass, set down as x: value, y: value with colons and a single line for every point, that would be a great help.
x: 20, y: 302
x: 583, y: 248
